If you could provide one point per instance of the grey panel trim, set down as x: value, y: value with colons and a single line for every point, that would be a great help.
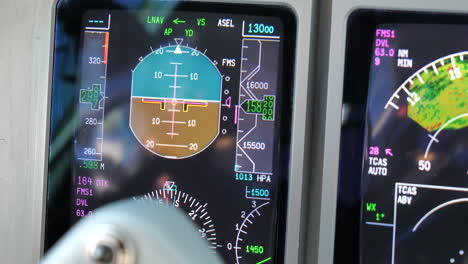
x: 24, y: 74
x: 25, y: 53
x: 331, y: 51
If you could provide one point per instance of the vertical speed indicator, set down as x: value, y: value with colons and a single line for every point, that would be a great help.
x: 248, y: 247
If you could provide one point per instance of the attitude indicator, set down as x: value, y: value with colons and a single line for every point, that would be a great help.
x: 176, y: 100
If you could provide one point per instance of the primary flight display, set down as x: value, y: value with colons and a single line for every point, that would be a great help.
x: 189, y: 106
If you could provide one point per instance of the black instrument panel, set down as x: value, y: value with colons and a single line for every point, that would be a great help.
x: 403, y: 159
x: 185, y: 103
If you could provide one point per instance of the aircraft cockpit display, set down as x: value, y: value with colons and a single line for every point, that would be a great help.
x: 188, y: 104
x: 413, y: 178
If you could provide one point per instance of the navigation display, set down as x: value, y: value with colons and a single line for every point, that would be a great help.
x: 415, y: 173
x: 190, y: 107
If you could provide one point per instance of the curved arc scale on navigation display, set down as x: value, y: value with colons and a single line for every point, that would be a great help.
x: 437, y: 93
x: 176, y: 101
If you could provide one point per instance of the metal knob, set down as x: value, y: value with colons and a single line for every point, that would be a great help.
x: 103, y: 254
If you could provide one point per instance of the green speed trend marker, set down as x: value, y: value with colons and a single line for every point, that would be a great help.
x: 263, y: 261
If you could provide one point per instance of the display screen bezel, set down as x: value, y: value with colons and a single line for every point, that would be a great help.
x: 361, y: 27
x: 67, y: 29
